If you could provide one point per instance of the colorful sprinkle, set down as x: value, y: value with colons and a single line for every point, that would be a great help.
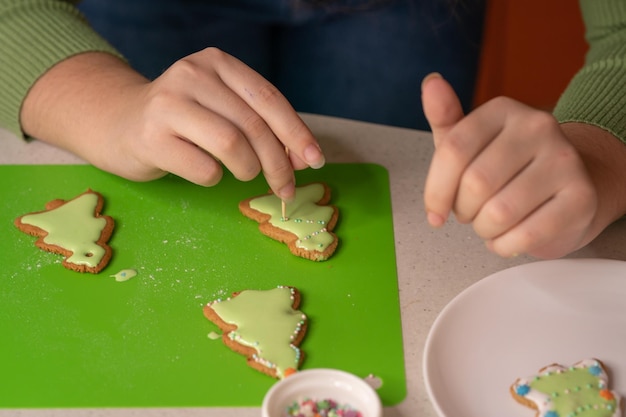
x: 522, y: 389
x: 606, y: 394
x: 321, y: 408
x: 595, y: 370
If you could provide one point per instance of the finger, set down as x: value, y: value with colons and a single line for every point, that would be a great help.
x: 269, y: 152
x: 272, y: 106
x: 454, y: 153
x: 205, y: 135
x: 221, y: 138
x: 553, y: 230
x: 296, y: 162
x: 529, y: 190
x: 441, y: 105
x: 273, y: 157
x: 524, y: 171
x: 443, y: 110
x: 186, y: 160
x: 507, y: 149
x: 554, y: 187
x: 527, y: 163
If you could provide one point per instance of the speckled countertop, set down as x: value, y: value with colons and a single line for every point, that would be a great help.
x: 433, y: 265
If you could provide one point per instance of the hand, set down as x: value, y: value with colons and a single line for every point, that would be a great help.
x: 511, y: 171
x: 206, y: 110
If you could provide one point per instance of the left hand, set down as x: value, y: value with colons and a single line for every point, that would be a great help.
x: 510, y: 171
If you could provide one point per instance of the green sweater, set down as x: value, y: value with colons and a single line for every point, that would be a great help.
x: 36, y: 34
x: 597, y: 93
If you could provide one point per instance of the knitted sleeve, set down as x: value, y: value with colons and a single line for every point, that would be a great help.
x: 35, y: 35
x: 597, y: 93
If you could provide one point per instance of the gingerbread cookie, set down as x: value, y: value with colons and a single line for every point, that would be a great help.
x: 75, y: 229
x: 307, y: 225
x: 263, y: 325
x: 579, y: 390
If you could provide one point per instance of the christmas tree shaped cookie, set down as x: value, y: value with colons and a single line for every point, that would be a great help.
x: 581, y: 390
x: 307, y: 225
x: 75, y: 229
x: 263, y: 325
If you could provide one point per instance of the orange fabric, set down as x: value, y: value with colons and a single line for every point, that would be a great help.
x: 531, y: 50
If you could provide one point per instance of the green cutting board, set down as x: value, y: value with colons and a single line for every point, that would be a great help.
x: 81, y: 340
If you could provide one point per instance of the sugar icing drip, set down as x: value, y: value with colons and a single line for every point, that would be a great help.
x: 124, y: 275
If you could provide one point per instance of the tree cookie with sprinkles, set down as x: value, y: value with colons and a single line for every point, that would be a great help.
x: 75, y: 228
x: 306, y: 228
x: 263, y: 325
x: 579, y: 390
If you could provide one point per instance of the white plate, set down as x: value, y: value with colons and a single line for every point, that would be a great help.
x: 516, y: 321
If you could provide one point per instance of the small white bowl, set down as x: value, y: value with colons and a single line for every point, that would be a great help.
x: 322, y: 384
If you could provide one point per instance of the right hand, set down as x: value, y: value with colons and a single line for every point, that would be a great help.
x: 206, y: 110
x: 209, y: 108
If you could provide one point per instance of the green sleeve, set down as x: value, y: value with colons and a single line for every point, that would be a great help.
x: 36, y: 34
x: 597, y: 93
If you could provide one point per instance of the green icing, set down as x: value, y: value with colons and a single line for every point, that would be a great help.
x: 266, y: 321
x: 72, y: 226
x: 305, y: 219
x: 575, y: 392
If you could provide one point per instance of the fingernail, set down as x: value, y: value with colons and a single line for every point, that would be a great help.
x: 430, y: 77
x: 434, y: 219
x: 314, y: 157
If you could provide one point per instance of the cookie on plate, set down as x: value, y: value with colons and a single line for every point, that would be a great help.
x: 578, y: 390
x: 307, y: 228
x: 75, y: 228
x: 263, y: 325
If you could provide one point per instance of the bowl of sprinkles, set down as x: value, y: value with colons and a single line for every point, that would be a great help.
x: 321, y: 393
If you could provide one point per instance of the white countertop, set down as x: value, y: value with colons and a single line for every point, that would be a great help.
x: 433, y: 265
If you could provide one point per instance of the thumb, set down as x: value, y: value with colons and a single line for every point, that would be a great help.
x: 441, y: 105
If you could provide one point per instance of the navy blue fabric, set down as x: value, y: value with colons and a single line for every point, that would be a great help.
x: 359, y: 59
